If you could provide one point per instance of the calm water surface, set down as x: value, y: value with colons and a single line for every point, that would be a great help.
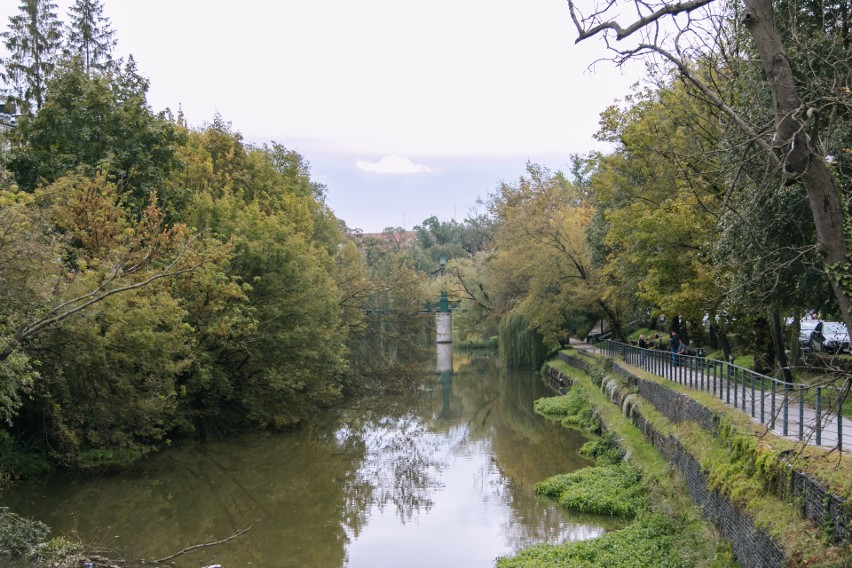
x: 441, y: 478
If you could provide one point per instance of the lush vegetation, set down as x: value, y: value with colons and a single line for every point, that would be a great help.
x: 651, y: 541
x: 605, y: 490
x: 662, y: 529
x: 752, y: 472
x: 572, y: 409
x: 160, y: 279
x: 30, y: 540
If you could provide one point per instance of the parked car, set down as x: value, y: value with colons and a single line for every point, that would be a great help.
x: 830, y: 337
x: 806, y: 329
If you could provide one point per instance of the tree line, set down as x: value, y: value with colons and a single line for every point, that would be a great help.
x: 722, y: 208
x: 158, y: 278
x: 723, y: 205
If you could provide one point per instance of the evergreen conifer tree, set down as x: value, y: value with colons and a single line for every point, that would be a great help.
x: 90, y: 36
x: 33, y: 41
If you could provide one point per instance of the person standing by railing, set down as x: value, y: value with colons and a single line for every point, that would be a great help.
x: 681, y: 350
x: 674, y: 345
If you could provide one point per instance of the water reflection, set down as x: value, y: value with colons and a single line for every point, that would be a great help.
x: 480, y: 450
x: 445, y: 476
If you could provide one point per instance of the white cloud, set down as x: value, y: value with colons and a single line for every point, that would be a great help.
x: 393, y: 164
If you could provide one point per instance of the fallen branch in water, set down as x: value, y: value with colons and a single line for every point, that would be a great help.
x: 206, y: 544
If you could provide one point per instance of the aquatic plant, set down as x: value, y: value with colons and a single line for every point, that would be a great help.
x: 652, y: 541
x: 607, y: 490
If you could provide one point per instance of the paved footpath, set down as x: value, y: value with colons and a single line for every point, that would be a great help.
x: 796, y: 421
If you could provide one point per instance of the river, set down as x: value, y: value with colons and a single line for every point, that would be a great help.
x: 440, y: 478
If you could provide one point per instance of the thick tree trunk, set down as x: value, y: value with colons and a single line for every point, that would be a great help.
x: 778, y: 338
x: 764, y: 346
x: 614, y: 322
x: 799, y: 158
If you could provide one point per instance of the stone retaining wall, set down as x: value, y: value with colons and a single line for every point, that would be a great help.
x: 819, y: 506
x: 753, y: 547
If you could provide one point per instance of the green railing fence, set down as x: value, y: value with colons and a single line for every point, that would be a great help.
x: 813, y: 414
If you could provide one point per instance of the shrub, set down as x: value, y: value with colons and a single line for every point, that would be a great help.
x: 21, y: 458
x: 604, y: 450
x: 22, y: 538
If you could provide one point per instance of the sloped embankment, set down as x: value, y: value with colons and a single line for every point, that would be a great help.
x: 778, y: 504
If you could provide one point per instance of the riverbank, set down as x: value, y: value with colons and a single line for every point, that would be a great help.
x: 663, y: 527
x: 736, y: 474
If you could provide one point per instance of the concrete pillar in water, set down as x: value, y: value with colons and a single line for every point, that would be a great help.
x: 444, y: 324
x: 445, y: 370
x: 445, y: 357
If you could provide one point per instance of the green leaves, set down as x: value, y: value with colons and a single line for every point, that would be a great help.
x: 142, y: 325
x: 605, y: 490
x: 32, y: 39
x: 100, y: 122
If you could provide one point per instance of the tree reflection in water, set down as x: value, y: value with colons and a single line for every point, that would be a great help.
x: 459, y: 469
x: 401, y: 468
x: 443, y: 477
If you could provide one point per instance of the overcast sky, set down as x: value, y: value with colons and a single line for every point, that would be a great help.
x: 405, y: 109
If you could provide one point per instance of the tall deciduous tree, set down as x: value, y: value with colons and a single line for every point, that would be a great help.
x: 659, y: 194
x: 289, y: 352
x: 90, y: 36
x: 33, y: 40
x: 97, y: 122
x: 804, y: 106
x: 65, y: 252
x: 123, y: 254
x: 542, y: 262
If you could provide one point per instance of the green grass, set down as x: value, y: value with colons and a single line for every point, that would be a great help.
x: 613, y: 490
x: 667, y: 529
x: 652, y: 541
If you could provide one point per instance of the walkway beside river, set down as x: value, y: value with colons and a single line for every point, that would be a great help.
x: 802, y: 413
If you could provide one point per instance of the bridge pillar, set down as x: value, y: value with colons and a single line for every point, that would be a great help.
x: 444, y: 325
x: 445, y: 358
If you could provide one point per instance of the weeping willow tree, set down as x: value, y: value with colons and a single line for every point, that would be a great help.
x: 521, y: 346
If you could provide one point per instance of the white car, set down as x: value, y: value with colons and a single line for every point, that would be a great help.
x: 828, y: 336
x: 806, y: 328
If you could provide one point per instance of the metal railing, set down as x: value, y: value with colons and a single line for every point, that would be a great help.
x: 811, y: 413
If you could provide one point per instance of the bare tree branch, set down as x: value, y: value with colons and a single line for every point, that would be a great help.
x: 640, y: 23
x: 80, y: 303
x: 237, y: 534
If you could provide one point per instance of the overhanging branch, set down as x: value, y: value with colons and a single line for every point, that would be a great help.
x: 642, y: 22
